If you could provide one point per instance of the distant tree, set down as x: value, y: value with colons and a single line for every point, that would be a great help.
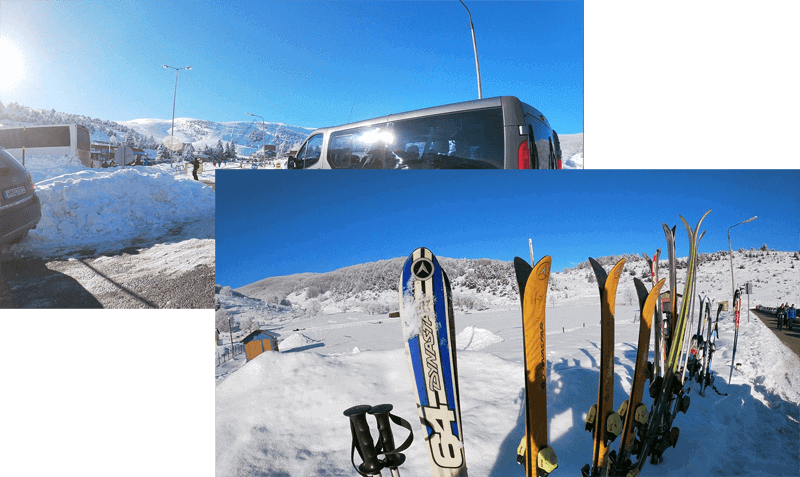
x: 219, y: 150
x: 188, y: 152
x: 162, y: 153
x: 129, y: 141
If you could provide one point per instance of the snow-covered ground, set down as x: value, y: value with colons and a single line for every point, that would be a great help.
x: 281, y: 413
x: 120, y: 237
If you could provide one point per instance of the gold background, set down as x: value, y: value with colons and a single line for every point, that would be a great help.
x: 667, y: 85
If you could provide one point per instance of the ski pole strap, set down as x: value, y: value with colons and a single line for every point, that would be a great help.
x: 402, y: 423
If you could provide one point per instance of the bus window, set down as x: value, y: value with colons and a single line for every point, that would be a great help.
x: 84, y: 139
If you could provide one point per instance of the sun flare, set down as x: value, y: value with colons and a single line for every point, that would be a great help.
x: 11, y: 64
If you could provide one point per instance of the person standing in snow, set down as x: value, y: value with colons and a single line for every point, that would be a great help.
x: 196, y: 167
x: 791, y: 314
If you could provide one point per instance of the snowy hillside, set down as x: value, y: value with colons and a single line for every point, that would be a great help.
x: 478, y: 284
x: 572, y: 150
x: 281, y: 413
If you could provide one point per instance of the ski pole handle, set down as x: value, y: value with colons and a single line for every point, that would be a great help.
x: 393, y: 457
x: 362, y: 441
x: 381, y: 413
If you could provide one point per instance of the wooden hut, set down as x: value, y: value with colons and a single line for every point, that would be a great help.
x: 259, y: 341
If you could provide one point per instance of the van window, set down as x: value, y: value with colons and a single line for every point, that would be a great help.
x: 361, y: 148
x: 471, y: 139
x: 309, y: 153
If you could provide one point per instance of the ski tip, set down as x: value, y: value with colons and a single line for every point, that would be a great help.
x: 641, y: 292
x: 599, y: 273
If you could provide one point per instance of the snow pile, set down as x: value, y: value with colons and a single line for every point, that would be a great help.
x: 475, y: 339
x: 104, y: 210
x: 296, y: 340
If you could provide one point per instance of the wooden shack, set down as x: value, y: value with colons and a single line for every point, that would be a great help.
x: 259, y: 341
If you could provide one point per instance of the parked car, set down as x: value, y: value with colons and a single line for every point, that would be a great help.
x: 20, y: 208
x: 492, y: 133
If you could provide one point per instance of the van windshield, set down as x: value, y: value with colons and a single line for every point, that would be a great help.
x: 462, y: 140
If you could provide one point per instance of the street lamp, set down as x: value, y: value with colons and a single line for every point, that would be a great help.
x: 263, y: 133
x: 475, y: 47
x: 730, y: 251
x: 172, y: 144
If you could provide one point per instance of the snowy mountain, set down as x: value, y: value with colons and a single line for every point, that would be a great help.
x: 247, y: 135
x: 280, y: 414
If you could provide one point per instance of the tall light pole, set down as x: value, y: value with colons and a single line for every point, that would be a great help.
x: 174, y: 97
x: 475, y: 47
x: 730, y: 251
x: 263, y: 134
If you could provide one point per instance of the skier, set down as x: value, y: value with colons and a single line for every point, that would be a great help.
x: 791, y: 314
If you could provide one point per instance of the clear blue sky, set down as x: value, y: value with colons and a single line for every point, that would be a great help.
x: 298, y: 62
x: 271, y: 223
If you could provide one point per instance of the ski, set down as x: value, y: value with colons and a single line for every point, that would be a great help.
x: 673, y: 284
x: 602, y: 420
x: 704, y: 377
x: 426, y: 312
x: 737, y: 309
x: 659, y: 345
x: 538, y: 457
x: 633, y: 411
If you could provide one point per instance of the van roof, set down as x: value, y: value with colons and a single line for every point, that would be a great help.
x: 497, y: 101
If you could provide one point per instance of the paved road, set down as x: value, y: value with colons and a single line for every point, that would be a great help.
x: 789, y: 338
x: 158, y: 277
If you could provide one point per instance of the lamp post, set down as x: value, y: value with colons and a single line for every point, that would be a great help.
x: 475, y: 47
x: 263, y: 133
x: 730, y: 251
x: 174, y: 97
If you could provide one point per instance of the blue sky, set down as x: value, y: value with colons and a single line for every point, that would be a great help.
x: 270, y: 223
x: 298, y: 62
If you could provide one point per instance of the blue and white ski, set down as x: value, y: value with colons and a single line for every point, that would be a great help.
x: 426, y: 312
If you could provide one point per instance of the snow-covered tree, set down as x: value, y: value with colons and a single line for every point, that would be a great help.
x: 188, y: 152
x: 162, y: 153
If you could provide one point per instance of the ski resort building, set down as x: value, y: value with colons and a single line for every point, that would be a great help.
x: 259, y: 341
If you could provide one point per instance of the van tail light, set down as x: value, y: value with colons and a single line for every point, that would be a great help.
x: 523, y: 156
x: 559, y: 163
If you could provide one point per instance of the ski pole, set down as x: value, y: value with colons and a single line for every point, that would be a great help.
x: 362, y: 442
x: 387, y: 447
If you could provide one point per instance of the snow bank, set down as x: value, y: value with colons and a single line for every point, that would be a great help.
x: 106, y: 210
x: 474, y: 339
x: 295, y: 341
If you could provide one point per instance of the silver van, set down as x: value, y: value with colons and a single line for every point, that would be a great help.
x: 492, y: 133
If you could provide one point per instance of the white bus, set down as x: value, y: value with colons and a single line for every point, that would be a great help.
x: 54, y: 140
